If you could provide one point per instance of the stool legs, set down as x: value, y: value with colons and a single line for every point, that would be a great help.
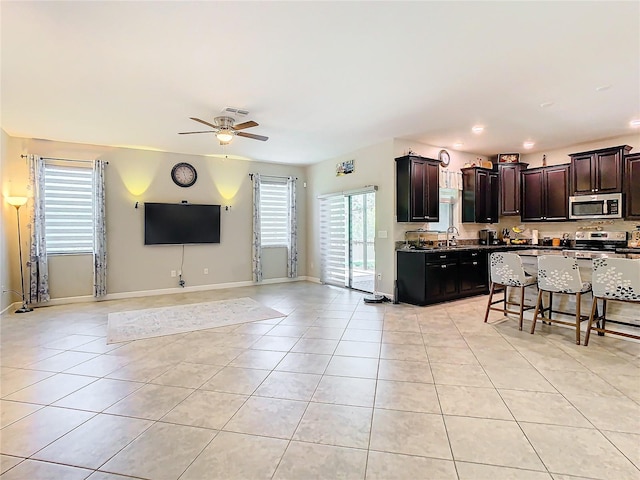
x: 521, y: 307
x: 578, y: 297
x: 491, y: 290
x: 594, y: 306
x: 535, y: 313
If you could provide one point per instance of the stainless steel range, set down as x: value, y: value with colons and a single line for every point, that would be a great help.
x: 596, y: 244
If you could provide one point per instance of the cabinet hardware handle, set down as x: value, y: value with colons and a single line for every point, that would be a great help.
x: 443, y: 256
x: 443, y: 266
x: 475, y: 263
x: 474, y: 254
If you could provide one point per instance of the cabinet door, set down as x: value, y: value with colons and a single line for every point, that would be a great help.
x: 492, y: 200
x: 509, y: 189
x: 557, y: 187
x: 411, y: 277
x: 432, y: 196
x: 441, y: 281
x: 632, y: 181
x: 532, y: 195
x: 473, y: 273
x: 608, y: 172
x: 583, y: 174
x: 418, y: 190
x: 483, y: 189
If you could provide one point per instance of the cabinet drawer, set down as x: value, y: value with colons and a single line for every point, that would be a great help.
x: 441, y: 257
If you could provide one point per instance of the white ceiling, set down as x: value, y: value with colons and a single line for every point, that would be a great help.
x: 321, y: 78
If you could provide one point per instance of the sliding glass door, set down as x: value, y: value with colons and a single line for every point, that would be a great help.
x: 362, y: 260
x: 347, y: 235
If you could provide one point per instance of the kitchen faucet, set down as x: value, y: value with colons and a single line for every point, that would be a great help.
x: 452, y: 242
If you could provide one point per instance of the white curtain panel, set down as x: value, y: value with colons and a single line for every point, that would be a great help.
x: 38, y: 266
x: 100, y: 232
x: 256, y: 243
x: 292, y: 257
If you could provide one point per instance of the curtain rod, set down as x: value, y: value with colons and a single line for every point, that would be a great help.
x: 64, y: 159
x: 270, y: 176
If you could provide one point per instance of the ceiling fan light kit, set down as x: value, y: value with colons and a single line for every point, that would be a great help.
x: 225, y: 129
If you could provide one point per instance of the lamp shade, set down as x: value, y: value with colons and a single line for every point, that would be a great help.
x: 16, y: 201
x: 224, y: 136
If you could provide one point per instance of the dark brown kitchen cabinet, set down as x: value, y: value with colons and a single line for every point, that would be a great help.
x: 480, y: 188
x: 545, y: 193
x: 509, y: 174
x: 598, y: 171
x: 632, y: 186
x: 425, y: 278
x: 417, y: 189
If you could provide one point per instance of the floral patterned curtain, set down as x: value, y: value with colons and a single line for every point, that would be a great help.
x: 292, y: 257
x: 256, y: 243
x: 100, y: 232
x: 38, y: 266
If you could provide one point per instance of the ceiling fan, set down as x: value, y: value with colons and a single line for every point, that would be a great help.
x: 225, y: 129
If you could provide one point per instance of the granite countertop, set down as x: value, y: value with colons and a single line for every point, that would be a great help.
x: 462, y: 248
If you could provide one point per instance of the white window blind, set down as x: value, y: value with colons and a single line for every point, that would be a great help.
x: 68, y: 207
x: 274, y: 213
x: 333, y: 240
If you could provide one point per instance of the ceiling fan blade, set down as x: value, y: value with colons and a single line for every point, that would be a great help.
x: 242, y: 126
x: 204, y: 131
x: 202, y: 121
x: 251, y: 135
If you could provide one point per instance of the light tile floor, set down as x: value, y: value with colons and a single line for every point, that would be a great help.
x: 334, y: 389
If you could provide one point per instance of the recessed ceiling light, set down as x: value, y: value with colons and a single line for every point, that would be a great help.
x: 458, y: 144
x: 546, y: 104
x: 477, y: 129
x: 602, y: 88
x: 528, y: 144
x: 635, y: 123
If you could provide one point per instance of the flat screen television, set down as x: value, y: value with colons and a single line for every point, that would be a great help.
x: 180, y: 223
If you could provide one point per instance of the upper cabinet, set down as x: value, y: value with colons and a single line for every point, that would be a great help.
x: 598, y: 171
x: 480, y: 188
x: 509, y: 174
x: 545, y: 193
x: 632, y: 186
x: 417, y: 189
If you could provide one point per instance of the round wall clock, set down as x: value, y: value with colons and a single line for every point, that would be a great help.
x: 444, y: 158
x: 184, y: 174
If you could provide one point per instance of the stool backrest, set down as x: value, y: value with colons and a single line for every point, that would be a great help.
x: 506, y: 269
x: 616, y: 278
x: 557, y: 273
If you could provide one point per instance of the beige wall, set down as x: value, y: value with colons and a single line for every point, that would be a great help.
x: 138, y: 176
x: 372, y: 166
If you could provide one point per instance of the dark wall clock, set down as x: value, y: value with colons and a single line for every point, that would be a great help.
x: 444, y: 158
x: 184, y: 174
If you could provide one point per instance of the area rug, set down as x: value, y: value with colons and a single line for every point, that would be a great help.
x: 157, y: 322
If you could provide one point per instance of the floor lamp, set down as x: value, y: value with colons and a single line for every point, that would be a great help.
x: 18, y: 202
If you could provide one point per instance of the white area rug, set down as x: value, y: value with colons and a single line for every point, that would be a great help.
x: 157, y: 322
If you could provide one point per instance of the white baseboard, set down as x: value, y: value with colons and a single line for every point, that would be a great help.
x: 167, y: 291
x: 11, y: 306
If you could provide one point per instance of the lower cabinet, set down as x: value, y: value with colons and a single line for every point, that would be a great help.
x: 432, y: 277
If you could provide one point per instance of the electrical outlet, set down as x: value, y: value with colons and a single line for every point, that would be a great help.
x: 206, y: 271
x: 379, y: 276
x: 173, y: 273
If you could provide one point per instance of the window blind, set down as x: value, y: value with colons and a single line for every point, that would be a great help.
x: 333, y: 240
x: 68, y: 207
x: 274, y: 213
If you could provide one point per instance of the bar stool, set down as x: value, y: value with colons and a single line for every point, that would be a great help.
x: 615, y: 279
x: 558, y: 274
x: 506, y: 271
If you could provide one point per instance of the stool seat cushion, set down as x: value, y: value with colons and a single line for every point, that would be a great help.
x: 617, y: 279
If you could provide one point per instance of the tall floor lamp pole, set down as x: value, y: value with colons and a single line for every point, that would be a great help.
x: 18, y: 202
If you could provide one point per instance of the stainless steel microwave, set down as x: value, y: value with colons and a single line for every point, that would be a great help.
x: 595, y: 206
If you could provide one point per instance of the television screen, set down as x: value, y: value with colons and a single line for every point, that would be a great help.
x: 180, y: 223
